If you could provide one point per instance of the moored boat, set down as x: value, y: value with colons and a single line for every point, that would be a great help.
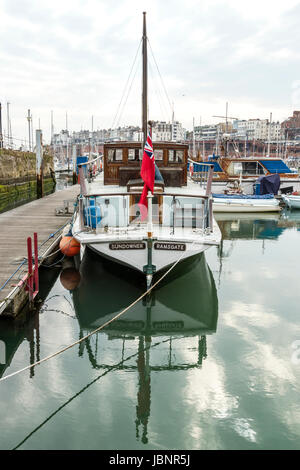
x: 151, y: 223
x: 292, y: 200
x: 245, y: 203
x: 247, y: 170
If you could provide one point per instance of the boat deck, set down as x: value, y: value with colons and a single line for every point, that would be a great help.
x: 139, y: 232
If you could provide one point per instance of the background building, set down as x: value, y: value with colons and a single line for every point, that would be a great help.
x: 291, y: 126
x: 257, y: 129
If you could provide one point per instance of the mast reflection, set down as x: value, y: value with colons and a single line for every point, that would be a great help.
x: 186, y: 305
x: 256, y: 226
x: 12, y: 335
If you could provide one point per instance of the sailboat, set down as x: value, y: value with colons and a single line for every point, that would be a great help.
x: 175, y: 221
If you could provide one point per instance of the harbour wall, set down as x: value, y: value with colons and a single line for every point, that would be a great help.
x: 18, y: 176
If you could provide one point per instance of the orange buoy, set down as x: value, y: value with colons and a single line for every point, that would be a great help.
x: 70, y: 278
x: 69, y: 246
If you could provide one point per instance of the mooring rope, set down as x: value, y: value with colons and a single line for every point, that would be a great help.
x: 100, y: 327
x: 112, y: 368
x: 25, y: 258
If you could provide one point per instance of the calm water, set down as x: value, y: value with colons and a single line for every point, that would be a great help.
x: 210, y: 362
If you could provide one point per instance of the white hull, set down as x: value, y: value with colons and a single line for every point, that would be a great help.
x: 160, y: 258
x: 224, y: 216
x: 293, y: 202
x: 129, y: 248
x: 246, y: 205
x: 247, y: 185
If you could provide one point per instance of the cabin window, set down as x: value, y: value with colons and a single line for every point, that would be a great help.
x: 176, y: 156
x: 115, y: 155
x: 252, y: 168
x: 135, y: 155
x: 135, y: 211
x: 246, y: 168
x: 237, y: 168
x: 159, y: 155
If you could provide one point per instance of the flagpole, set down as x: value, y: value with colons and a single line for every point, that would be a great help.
x: 149, y: 269
x: 150, y: 224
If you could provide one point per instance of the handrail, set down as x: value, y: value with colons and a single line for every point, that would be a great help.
x: 90, y: 161
x: 204, y: 196
x: 205, y: 199
x: 201, y: 163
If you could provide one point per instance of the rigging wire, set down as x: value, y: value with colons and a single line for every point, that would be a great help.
x: 13, y: 138
x: 158, y: 95
x: 128, y: 92
x: 128, y: 79
x: 171, y: 107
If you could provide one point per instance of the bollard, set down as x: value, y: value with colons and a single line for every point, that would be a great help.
x: 36, y: 265
x: 29, y: 277
x: 33, y: 273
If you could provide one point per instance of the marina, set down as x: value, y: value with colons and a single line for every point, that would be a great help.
x: 149, y: 264
x: 193, y: 391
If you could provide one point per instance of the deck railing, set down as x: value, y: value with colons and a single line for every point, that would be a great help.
x: 90, y: 169
x: 112, y: 212
x: 204, y: 177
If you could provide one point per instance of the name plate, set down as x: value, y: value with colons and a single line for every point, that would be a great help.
x: 127, y: 325
x: 127, y: 246
x: 168, y: 325
x: 169, y: 246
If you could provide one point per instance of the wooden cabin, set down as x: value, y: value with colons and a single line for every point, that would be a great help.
x: 122, y: 162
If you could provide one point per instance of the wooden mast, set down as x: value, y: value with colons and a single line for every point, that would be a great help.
x: 145, y: 82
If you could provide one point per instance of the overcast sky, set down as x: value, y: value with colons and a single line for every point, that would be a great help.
x: 75, y: 56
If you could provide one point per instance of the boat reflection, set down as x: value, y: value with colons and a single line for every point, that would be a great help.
x: 290, y: 218
x: 185, y: 307
x: 256, y: 226
x: 25, y: 327
x: 187, y: 304
x: 11, y: 338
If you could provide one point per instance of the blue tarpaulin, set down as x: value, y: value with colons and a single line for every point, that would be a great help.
x: 275, y: 166
x: 201, y: 167
x: 269, y: 184
x: 79, y: 161
x: 242, y: 196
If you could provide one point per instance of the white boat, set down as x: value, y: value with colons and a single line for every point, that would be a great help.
x: 180, y: 220
x: 292, y: 201
x: 108, y: 222
x: 245, y: 203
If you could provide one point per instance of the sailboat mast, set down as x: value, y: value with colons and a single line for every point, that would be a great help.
x: 145, y: 81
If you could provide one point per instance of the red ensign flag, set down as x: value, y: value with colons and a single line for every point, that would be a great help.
x: 147, y: 174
